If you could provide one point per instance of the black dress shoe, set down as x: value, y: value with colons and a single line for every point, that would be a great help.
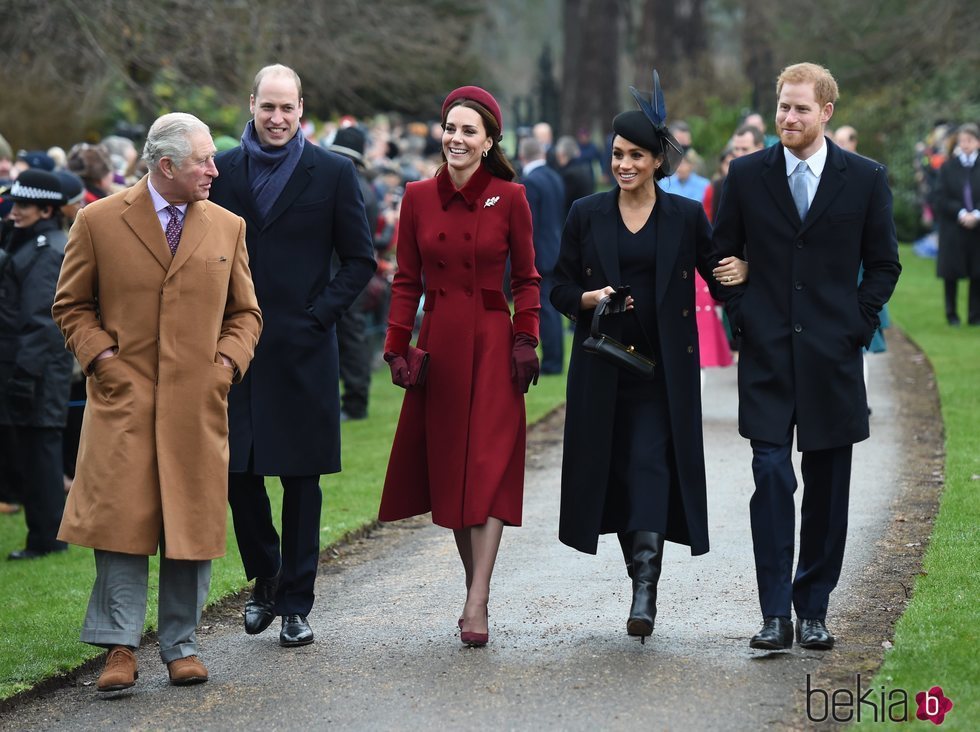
x: 953, y: 320
x: 776, y: 635
x: 35, y: 553
x: 261, y: 604
x: 813, y: 634
x: 295, y: 631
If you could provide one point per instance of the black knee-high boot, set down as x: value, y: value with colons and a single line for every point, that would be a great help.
x: 626, y: 544
x: 647, y: 558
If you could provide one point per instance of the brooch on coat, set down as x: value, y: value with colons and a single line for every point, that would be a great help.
x: 491, y: 201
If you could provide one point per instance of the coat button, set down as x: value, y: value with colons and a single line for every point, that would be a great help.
x: 690, y: 349
x: 442, y: 264
x: 467, y: 236
x: 799, y: 244
x: 442, y: 290
x: 683, y: 274
x: 467, y: 265
x: 798, y: 285
x: 685, y: 311
x: 588, y: 271
x: 442, y: 236
x: 798, y: 328
x: 468, y: 291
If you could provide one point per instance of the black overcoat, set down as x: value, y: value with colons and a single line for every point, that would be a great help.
x: 802, y: 316
x: 589, y: 260
x: 959, y: 247
x: 31, y: 344
x: 287, y: 408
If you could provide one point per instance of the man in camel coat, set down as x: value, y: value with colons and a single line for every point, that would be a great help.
x: 156, y: 302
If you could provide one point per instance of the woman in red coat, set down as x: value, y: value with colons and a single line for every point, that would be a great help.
x: 459, y: 447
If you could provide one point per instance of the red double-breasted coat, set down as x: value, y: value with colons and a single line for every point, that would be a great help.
x: 459, y: 446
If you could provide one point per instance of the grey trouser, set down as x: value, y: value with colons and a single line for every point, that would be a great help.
x: 117, y: 608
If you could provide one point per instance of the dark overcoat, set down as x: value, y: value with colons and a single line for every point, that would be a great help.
x: 959, y: 247
x: 546, y: 198
x: 31, y: 344
x: 459, y: 447
x: 287, y: 408
x: 802, y: 316
x: 589, y: 260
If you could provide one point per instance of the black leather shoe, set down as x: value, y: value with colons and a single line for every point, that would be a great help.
x: 35, y: 553
x: 295, y: 631
x: 647, y: 558
x: 776, y: 635
x: 261, y: 604
x: 813, y: 634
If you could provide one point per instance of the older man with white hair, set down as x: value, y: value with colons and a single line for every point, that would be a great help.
x: 156, y: 302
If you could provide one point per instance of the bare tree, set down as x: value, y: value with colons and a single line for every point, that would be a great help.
x: 590, y: 66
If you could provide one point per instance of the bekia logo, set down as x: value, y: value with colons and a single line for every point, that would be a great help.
x: 874, y: 705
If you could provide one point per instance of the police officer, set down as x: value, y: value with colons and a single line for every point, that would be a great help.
x: 35, y: 368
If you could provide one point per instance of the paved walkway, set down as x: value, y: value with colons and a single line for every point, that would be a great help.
x: 387, y: 654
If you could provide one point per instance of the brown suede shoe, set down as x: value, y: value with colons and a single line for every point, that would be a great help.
x: 120, y: 670
x: 185, y: 671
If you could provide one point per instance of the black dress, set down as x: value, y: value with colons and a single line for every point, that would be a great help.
x: 638, y: 491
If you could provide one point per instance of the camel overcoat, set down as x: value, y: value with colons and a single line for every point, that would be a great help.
x: 153, y: 455
x: 459, y: 447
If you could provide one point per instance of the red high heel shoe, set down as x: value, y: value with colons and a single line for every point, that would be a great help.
x: 474, y: 640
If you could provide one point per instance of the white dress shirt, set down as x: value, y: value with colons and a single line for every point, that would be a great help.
x: 815, y: 164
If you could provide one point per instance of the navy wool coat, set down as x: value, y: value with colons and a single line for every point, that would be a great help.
x: 287, y: 408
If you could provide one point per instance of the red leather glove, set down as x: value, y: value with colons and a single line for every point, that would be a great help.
x: 399, y: 369
x: 524, y: 367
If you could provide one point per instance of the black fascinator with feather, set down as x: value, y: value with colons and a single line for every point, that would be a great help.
x: 648, y: 126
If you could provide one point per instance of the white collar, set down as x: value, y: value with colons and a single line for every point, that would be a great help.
x: 534, y: 165
x: 968, y: 160
x: 815, y: 162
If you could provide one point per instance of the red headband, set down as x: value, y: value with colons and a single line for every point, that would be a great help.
x: 476, y: 94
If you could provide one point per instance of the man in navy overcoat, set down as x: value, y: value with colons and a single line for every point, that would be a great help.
x: 300, y: 204
x: 546, y: 197
x: 806, y: 215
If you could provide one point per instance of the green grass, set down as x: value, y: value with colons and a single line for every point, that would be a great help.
x: 937, y: 640
x: 45, y: 600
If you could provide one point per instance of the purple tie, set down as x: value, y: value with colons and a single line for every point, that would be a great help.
x: 174, y: 227
x: 968, y: 192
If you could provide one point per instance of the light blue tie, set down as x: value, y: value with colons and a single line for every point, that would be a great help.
x: 797, y: 186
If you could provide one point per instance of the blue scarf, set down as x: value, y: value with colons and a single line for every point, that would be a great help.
x: 269, y: 168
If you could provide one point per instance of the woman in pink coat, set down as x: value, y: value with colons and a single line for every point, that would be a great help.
x: 459, y: 447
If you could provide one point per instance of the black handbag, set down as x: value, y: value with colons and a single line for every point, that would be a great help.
x: 623, y: 356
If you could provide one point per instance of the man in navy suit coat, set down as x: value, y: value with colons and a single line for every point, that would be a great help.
x: 301, y: 204
x: 546, y: 197
x: 806, y: 215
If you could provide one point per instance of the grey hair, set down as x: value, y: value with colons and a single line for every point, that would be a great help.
x: 530, y: 149
x: 567, y: 147
x: 169, y: 137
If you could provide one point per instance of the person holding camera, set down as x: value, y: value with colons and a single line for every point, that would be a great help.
x: 459, y: 447
x: 35, y: 368
x: 633, y: 460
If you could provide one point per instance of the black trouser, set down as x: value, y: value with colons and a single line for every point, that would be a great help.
x: 35, y: 453
x: 973, y: 302
x: 258, y: 542
x: 355, y: 361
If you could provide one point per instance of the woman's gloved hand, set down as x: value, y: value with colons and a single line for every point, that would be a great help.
x: 524, y: 366
x: 399, y: 369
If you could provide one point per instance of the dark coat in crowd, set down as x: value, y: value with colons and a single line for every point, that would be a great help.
x: 31, y: 345
x: 959, y: 247
x: 589, y: 260
x: 578, y: 182
x: 287, y: 408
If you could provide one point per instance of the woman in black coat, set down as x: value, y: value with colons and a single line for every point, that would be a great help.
x: 633, y: 459
x: 35, y: 368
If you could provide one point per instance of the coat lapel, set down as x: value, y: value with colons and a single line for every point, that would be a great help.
x: 831, y: 181
x: 297, y: 182
x: 145, y: 224
x: 238, y: 174
x: 196, y: 226
x: 774, y: 177
x: 669, y: 225
x: 604, y: 220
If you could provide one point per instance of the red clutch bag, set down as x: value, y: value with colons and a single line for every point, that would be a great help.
x: 418, y: 365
